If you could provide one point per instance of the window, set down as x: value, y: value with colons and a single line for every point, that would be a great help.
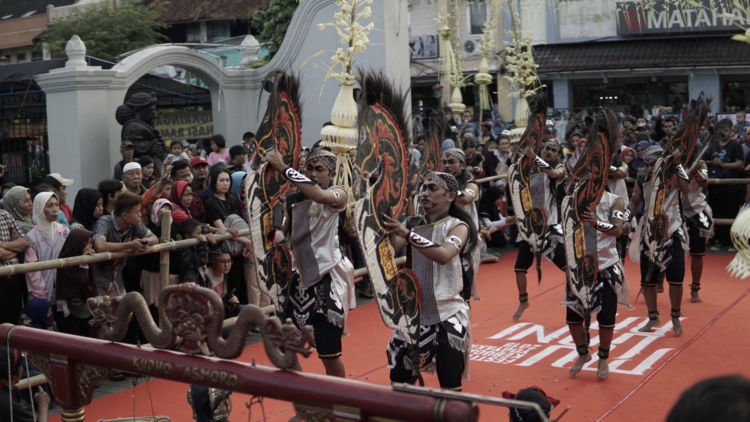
x: 193, y: 32
x: 37, y: 55
x: 477, y: 16
x: 21, y: 57
x: 217, y: 31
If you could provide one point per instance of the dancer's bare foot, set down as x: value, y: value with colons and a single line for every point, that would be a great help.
x: 521, y: 307
x: 677, y: 326
x: 602, y: 369
x: 694, y: 298
x: 650, y: 325
x: 578, y: 364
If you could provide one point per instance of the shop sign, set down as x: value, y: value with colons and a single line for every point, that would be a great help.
x: 184, y: 124
x: 663, y: 16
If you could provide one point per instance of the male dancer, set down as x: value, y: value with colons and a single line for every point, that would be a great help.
x: 552, y: 173
x: 671, y: 259
x: 320, y: 296
x: 699, y: 219
x: 608, y: 220
x: 435, y: 249
x: 454, y: 163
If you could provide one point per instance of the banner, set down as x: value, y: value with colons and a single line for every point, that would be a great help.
x: 633, y: 18
x: 184, y: 124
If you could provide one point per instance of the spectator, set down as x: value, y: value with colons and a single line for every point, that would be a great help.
x: 180, y: 171
x: 194, y: 260
x: 248, y: 140
x: 724, y: 160
x: 715, y: 399
x: 149, y: 175
x: 75, y: 284
x: 121, y: 231
x: 577, y: 142
x: 487, y: 135
x: 742, y: 123
x: 181, y: 198
x: 127, y: 150
x: 45, y: 243
x: 237, y: 157
x: 132, y: 177
x: 17, y: 201
x: 88, y: 207
x: 199, y: 168
x: 60, y: 185
x: 176, y: 152
x: 12, y: 243
x: 533, y: 395
x: 219, y: 151
x: 110, y: 190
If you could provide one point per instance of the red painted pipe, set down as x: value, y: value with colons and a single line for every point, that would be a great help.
x: 299, y: 387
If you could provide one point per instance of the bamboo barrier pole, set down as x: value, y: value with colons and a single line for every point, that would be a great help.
x: 166, y: 236
x: 105, y: 256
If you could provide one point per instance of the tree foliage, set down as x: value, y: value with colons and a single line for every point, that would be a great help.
x: 272, y: 23
x: 107, y: 30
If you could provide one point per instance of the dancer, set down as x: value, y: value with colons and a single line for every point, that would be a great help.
x: 607, y: 219
x: 436, y: 244
x: 549, y: 173
x: 454, y: 163
x: 668, y: 236
x: 700, y: 223
x: 320, y: 295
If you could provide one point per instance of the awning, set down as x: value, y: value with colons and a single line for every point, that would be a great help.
x: 25, y: 71
x: 642, y: 54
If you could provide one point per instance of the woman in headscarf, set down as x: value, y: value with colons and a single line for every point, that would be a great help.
x: 238, y: 189
x: 181, y: 198
x: 17, y: 201
x: 75, y: 284
x: 45, y: 243
x: 88, y: 207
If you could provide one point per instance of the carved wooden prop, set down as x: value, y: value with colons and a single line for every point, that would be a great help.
x: 190, y: 321
x: 382, y: 146
x: 525, y: 181
x: 75, y: 365
x: 433, y: 146
x: 589, y: 179
x: 280, y: 130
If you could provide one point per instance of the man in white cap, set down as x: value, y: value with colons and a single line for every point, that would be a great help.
x: 132, y: 177
x: 60, y: 184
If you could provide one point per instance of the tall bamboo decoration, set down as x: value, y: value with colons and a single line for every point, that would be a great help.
x: 521, y: 72
x: 449, y: 34
x: 341, y: 136
x: 486, y: 46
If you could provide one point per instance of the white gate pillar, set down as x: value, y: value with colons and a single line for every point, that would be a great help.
x: 78, y: 119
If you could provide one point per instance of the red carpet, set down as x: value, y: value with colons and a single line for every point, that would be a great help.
x: 648, y: 371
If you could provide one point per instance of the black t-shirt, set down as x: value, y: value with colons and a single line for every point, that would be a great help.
x: 729, y: 153
x: 217, y: 209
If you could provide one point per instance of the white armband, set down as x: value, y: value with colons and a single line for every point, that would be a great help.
x: 541, y: 163
x: 604, y: 227
x: 681, y: 172
x: 294, y: 176
x: 455, y: 241
x: 420, y: 241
